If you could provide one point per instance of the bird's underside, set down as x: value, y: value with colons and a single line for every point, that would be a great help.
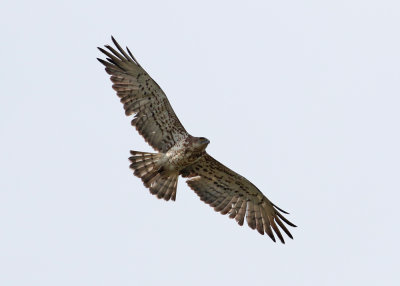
x: 179, y: 153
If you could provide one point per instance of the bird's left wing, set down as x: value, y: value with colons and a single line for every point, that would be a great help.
x: 228, y: 192
x: 154, y: 118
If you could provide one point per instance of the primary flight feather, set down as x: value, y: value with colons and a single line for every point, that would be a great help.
x: 179, y: 153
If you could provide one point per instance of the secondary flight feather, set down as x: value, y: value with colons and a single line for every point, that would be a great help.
x: 181, y: 154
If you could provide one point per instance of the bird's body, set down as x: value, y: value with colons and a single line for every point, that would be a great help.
x: 179, y: 153
x: 156, y: 170
x: 186, y: 152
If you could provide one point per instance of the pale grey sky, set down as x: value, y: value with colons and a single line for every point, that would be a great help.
x: 300, y: 97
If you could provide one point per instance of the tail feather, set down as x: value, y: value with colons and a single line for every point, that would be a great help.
x: 171, y: 191
x: 150, y: 178
x: 166, y: 188
x: 145, y: 166
x: 143, y: 163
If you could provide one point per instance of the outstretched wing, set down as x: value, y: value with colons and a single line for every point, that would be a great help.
x: 228, y: 192
x: 154, y: 117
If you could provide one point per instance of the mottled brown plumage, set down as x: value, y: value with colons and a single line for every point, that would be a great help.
x: 182, y: 154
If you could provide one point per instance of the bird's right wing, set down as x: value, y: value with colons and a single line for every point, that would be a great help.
x: 154, y: 118
x: 228, y: 192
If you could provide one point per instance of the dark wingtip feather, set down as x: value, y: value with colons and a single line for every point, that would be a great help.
x: 275, y: 206
x: 115, y: 42
x: 133, y: 58
x: 276, y: 229
x: 278, y: 233
x: 280, y: 223
x: 271, y: 235
x: 104, y: 52
x: 103, y: 61
x: 101, y: 50
x: 286, y: 220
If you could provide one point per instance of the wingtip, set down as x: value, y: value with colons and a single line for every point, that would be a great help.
x: 106, y: 62
x: 102, y: 50
x: 114, y: 41
x: 285, y: 212
x: 281, y: 239
x: 102, y: 61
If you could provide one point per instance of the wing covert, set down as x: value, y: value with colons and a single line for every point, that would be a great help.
x: 230, y: 193
x: 154, y: 117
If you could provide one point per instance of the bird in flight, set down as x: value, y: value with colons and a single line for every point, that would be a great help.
x: 179, y: 153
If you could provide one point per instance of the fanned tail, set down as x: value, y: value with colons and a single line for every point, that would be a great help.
x: 145, y: 166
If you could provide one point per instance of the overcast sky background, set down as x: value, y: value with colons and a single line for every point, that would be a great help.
x: 300, y: 97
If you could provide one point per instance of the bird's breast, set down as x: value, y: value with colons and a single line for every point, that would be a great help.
x: 180, y: 157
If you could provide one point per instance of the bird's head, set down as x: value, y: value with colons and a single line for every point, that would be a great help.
x: 201, y: 143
